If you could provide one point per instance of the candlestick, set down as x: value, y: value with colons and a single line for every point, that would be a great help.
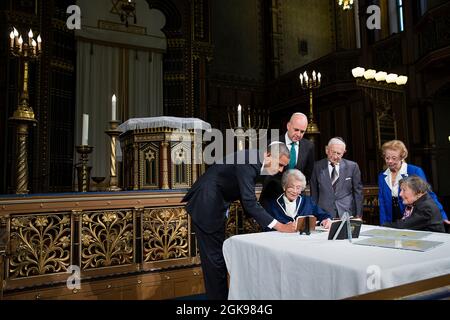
x: 23, y: 116
x: 84, y: 137
x: 239, y: 116
x: 113, y: 132
x: 84, y: 171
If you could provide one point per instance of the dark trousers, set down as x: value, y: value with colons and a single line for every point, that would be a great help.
x: 213, y: 263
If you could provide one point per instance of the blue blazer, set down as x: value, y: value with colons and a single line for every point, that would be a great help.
x: 385, y: 195
x: 306, y: 207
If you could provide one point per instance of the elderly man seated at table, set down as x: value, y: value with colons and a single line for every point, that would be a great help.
x: 291, y: 204
x: 421, y: 211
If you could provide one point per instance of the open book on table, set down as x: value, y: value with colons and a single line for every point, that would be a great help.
x: 306, y: 224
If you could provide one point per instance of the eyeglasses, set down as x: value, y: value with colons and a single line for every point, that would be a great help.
x: 392, y: 158
x: 296, y: 188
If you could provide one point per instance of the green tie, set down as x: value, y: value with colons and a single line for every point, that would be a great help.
x: 293, y: 156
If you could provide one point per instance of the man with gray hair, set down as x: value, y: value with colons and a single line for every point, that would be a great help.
x: 336, y: 182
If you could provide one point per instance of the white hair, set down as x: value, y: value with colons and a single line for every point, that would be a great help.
x: 296, y: 174
x: 336, y: 140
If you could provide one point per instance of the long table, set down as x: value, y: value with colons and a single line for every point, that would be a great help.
x: 274, y: 265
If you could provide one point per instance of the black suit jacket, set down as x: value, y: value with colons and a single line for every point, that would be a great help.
x: 425, y: 216
x: 210, y: 196
x: 305, y: 163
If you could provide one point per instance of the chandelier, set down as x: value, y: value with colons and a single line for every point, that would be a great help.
x: 127, y: 10
x: 345, y: 4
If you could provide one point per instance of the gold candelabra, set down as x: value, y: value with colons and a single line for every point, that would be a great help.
x: 113, y: 134
x: 84, y: 171
x: 23, y: 116
x: 311, y: 82
x: 247, y: 125
x: 345, y: 4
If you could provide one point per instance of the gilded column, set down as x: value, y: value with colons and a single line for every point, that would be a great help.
x: 165, y: 165
x: 113, y: 133
x: 136, y: 180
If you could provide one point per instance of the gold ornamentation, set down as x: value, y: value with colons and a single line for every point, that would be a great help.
x: 43, y: 245
x: 165, y: 233
x: 231, y: 227
x: 107, y: 239
x: 250, y: 225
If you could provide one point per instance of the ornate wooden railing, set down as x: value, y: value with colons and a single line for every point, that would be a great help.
x: 433, y: 30
x: 45, y: 238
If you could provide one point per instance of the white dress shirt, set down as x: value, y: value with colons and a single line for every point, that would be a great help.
x: 330, y: 168
x: 402, y: 172
x: 291, y: 207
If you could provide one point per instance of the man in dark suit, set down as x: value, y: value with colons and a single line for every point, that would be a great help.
x: 210, y: 196
x: 336, y: 182
x: 301, y: 157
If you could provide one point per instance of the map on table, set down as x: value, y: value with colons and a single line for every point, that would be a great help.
x: 395, y: 234
x: 404, y: 244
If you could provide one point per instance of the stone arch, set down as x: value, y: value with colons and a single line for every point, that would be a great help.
x: 174, y: 19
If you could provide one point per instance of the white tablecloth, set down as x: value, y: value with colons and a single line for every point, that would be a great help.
x: 273, y: 265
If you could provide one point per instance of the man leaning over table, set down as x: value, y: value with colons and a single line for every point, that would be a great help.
x: 211, y: 195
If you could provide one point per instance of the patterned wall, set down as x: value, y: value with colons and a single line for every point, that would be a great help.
x: 310, y: 20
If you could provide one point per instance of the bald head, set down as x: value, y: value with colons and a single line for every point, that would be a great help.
x: 296, y: 126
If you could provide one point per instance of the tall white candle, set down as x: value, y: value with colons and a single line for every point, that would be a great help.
x: 11, y: 36
x: 39, y: 41
x: 239, y: 116
x: 16, y: 37
x: 84, y: 137
x: 30, y: 37
x: 20, y: 43
x: 113, y: 108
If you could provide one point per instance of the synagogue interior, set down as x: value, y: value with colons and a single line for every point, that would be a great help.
x: 101, y: 102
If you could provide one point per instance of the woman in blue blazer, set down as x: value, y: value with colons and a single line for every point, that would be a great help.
x: 389, y: 200
x: 291, y: 204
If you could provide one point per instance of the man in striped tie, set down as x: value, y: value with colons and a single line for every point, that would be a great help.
x: 336, y: 182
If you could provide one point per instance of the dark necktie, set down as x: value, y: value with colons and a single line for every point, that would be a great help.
x: 292, y: 156
x: 334, y: 177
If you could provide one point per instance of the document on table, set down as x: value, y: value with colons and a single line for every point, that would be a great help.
x: 404, y: 244
x: 395, y: 234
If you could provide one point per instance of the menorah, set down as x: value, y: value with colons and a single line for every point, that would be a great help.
x: 253, y: 121
x: 309, y: 83
x: 25, y: 51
